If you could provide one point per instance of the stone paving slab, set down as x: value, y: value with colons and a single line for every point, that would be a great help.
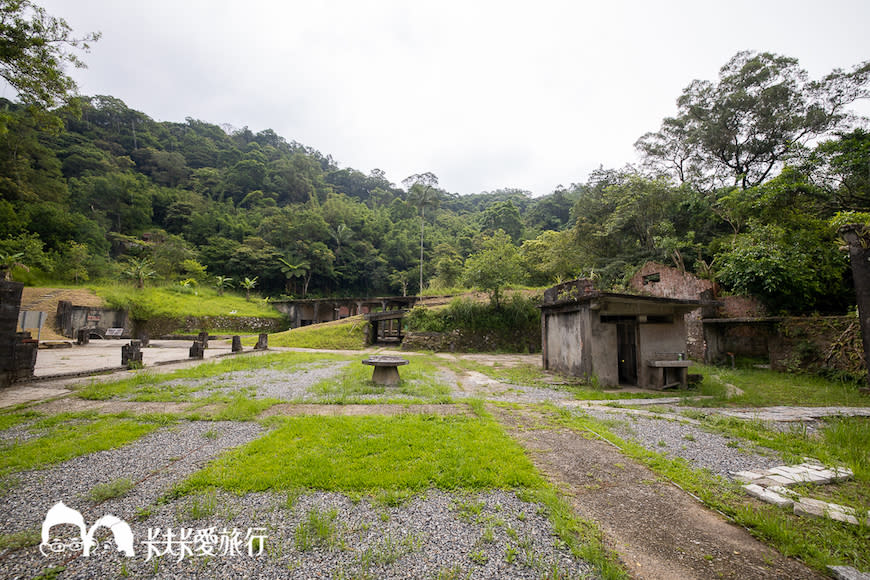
x: 793, y: 414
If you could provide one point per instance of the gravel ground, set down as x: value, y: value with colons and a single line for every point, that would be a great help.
x: 498, y: 536
x: 264, y: 383
x: 154, y: 463
x: 677, y: 438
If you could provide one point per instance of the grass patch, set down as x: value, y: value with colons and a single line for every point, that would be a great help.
x: 67, y: 435
x: 763, y: 387
x: 392, y: 458
x: 818, y: 542
x: 104, y: 491
x: 17, y: 540
x: 366, y: 453
x: 353, y: 385
x: 178, y: 302
x: 344, y: 335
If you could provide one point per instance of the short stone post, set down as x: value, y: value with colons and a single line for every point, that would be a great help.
x: 262, y: 342
x: 83, y: 336
x: 144, y: 339
x: 237, y: 343
x: 197, y: 350
x: 203, y: 338
x: 131, y: 354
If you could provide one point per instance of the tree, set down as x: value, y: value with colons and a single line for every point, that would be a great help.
x: 298, y: 269
x: 248, y: 284
x: 221, y: 283
x: 9, y: 261
x: 740, y: 130
x: 75, y: 258
x: 139, y: 269
x: 496, y: 265
x: 33, y: 52
x: 422, y: 193
x: 503, y: 215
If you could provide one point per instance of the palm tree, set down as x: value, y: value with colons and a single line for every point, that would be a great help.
x: 249, y: 284
x: 423, y: 194
x: 9, y: 261
x: 140, y: 269
x: 294, y: 270
x: 223, y: 282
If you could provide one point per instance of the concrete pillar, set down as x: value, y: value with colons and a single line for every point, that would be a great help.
x: 197, y: 350
x: 262, y: 342
x: 237, y: 343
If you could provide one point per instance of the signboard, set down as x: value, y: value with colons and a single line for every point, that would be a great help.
x: 114, y: 332
x: 32, y: 319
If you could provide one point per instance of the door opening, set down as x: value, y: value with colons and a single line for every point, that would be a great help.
x: 626, y: 351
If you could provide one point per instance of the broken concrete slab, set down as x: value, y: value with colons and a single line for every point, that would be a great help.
x: 848, y: 573
x: 822, y: 509
x: 768, y: 495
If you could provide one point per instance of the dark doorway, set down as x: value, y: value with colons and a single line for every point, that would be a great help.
x: 626, y: 351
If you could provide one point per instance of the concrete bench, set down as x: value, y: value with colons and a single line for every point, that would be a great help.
x: 386, y: 371
x: 669, y: 373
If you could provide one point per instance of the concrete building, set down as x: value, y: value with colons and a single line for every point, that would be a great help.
x: 619, y: 339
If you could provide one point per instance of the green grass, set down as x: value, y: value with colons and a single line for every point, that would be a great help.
x: 419, y: 383
x: 346, y: 335
x: 104, y: 491
x: 819, y: 542
x: 762, y: 387
x: 67, y: 435
x: 391, y: 458
x: 176, y: 302
x: 368, y: 453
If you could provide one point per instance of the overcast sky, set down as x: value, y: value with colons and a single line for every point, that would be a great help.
x: 486, y: 95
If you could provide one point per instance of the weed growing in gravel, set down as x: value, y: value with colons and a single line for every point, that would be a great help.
x: 170, y: 386
x: 319, y: 528
x: 104, y: 491
x: 200, y: 506
x: 23, y: 539
x: 67, y: 435
x: 468, y: 509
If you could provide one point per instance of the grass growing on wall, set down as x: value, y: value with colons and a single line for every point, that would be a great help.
x: 347, y: 334
x: 180, y: 302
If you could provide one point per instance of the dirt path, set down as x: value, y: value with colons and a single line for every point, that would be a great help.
x: 658, y: 530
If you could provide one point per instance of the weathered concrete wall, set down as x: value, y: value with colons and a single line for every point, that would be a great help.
x: 601, y: 351
x: 71, y: 318
x: 659, y: 342
x: 567, y: 350
x: 17, y: 349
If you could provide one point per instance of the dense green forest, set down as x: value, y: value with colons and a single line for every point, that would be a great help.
x: 744, y: 185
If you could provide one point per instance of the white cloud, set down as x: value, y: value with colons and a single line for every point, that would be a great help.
x: 484, y: 94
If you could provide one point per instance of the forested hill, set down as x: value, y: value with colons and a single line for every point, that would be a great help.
x: 745, y: 185
x: 191, y: 195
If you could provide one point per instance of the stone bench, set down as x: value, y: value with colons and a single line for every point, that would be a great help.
x: 386, y: 371
x: 669, y: 373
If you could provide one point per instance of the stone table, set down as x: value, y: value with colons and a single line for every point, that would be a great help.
x: 386, y: 372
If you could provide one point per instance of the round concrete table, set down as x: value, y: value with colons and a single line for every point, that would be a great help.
x: 386, y: 372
